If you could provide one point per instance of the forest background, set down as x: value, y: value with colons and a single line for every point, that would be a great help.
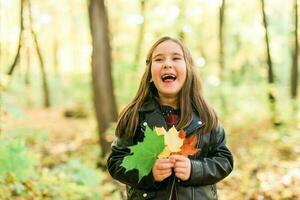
x: 68, y: 67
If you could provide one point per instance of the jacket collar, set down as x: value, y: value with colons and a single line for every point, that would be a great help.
x: 195, y: 124
x: 153, y: 106
x: 149, y: 106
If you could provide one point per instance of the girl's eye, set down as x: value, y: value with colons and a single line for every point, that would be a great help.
x: 177, y: 58
x: 158, y: 59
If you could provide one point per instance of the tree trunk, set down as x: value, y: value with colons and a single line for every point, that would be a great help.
x: 28, y: 63
x: 221, y: 39
x: 40, y: 58
x: 294, y: 70
x: 269, y: 59
x: 55, y: 57
x: 181, y: 17
x: 140, y: 35
x: 104, y: 100
x: 271, y: 85
x: 13, y: 65
x: 27, y: 76
x: 221, y: 58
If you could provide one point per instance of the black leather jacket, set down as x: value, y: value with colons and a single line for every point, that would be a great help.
x: 210, y: 165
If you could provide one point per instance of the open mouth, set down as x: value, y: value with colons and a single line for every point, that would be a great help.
x: 168, y: 77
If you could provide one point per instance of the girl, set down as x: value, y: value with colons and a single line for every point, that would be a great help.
x: 170, y: 94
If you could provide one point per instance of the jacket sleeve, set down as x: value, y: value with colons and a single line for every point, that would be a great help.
x: 216, y: 166
x: 119, y: 151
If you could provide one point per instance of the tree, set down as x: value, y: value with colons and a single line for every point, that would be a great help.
x: 181, y: 18
x: 17, y: 57
x: 271, y: 86
x: 294, y: 69
x: 221, y: 56
x: 102, y: 85
x: 269, y: 59
x: 41, y: 60
x: 221, y: 39
x: 36, y: 44
x: 140, y: 34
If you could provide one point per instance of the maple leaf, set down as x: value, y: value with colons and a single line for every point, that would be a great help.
x: 165, y: 153
x: 144, y: 153
x: 188, y: 148
x: 172, y: 140
x: 160, y: 130
x: 182, y: 134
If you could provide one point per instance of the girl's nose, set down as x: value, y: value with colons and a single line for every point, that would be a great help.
x: 167, y: 64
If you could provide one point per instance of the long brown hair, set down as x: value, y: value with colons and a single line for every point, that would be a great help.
x: 190, y: 98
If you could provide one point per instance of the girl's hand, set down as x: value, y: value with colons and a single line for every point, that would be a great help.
x: 182, y: 167
x: 162, y: 169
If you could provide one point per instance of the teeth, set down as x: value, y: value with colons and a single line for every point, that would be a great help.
x: 165, y: 76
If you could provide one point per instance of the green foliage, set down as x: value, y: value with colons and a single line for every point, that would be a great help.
x: 15, y: 111
x: 145, y: 153
x: 27, y: 134
x: 72, y: 180
x: 15, y: 158
x: 21, y: 175
x: 79, y: 173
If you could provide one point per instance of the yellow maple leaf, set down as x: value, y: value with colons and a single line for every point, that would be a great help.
x: 160, y: 130
x: 165, y: 153
x: 172, y: 140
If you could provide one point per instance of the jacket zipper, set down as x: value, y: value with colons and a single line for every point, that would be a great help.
x: 193, y: 193
x: 193, y: 189
x: 170, y: 197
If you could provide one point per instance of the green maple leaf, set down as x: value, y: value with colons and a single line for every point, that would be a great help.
x: 144, y: 153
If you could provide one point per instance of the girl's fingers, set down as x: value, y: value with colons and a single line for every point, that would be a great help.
x: 178, y: 158
x: 181, y: 161
x: 167, y: 174
x: 179, y: 175
x: 160, y: 177
x: 182, y: 167
x: 162, y: 169
x: 165, y: 166
x: 164, y: 160
x: 182, y: 175
x: 165, y: 171
x: 179, y: 170
x: 182, y: 170
x: 181, y: 164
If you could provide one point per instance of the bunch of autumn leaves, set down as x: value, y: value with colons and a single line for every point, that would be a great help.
x: 158, y: 143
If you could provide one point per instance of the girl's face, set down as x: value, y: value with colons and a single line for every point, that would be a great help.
x: 168, y: 68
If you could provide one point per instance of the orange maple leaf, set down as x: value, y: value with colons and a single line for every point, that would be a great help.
x: 188, y: 147
x: 181, y: 134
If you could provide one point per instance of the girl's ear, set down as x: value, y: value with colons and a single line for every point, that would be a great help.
x: 151, y: 80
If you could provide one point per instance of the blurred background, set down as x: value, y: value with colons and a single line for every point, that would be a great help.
x: 68, y: 67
